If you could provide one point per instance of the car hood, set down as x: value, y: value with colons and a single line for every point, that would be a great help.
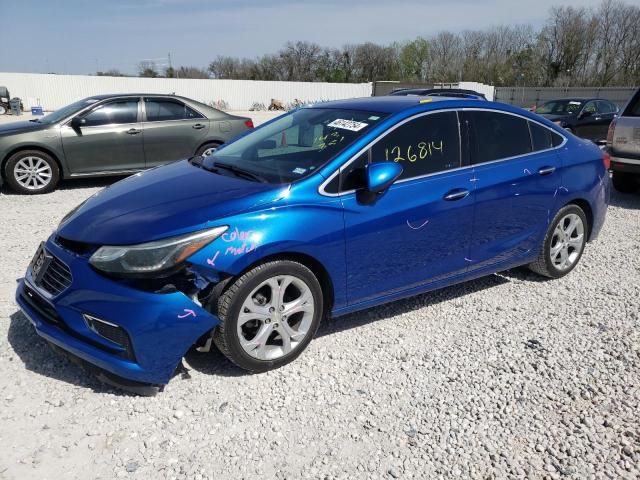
x: 165, y: 201
x: 21, y: 127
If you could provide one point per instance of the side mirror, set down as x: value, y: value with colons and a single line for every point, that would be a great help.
x: 380, y: 176
x: 585, y: 114
x: 77, y: 122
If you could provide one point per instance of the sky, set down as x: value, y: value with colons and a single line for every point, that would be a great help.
x: 84, y: 36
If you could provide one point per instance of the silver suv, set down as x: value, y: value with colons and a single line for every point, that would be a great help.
x: 623, y: 143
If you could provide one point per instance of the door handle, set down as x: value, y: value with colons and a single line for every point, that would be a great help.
x: 133, y: 131
x: 456, y: 194
x: 546, y: 170
x: 198, y: 126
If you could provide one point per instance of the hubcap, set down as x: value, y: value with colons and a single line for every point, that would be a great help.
x: 209, y: 151
x: 567, y: 242
x: 32, y: 173
x: 276, y: 317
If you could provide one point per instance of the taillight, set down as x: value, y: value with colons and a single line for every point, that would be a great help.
x: 612, y: 127
x: 249, y: 123
x: 606, y: 159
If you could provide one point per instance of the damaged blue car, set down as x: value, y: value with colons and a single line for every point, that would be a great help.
x: 324, y: 211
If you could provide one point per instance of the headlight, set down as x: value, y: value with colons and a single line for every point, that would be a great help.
x: 152, y: 256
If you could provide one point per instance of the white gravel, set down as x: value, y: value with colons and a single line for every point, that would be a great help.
x: 504, y: 377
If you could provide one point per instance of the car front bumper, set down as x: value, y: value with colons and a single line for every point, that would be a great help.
x: 160, y: 327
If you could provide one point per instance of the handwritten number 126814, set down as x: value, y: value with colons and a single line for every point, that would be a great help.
x: 413, y: 154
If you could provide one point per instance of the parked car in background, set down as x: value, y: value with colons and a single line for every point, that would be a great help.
x: 584, y: 117
x: 110, y: 135
x: 623, y: 143
x: 367, y: 201
x: 439, y: 92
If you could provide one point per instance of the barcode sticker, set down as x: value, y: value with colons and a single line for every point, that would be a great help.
x: 347, y: 124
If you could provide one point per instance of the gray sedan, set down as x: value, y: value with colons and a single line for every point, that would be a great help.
x: 110, y: 135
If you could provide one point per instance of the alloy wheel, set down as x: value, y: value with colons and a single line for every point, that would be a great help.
x: 567, y: 242
x: 209, y: 151
x: 33, y: 173
x: 276, y: 317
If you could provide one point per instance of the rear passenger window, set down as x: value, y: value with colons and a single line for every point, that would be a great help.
x: 543, y: 138
x: 498, y: 135
x: 428, y: 144
x: 159, y: 110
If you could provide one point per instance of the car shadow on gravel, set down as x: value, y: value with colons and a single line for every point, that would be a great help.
x: 75, y: 184
x: 625, y: 200
x: 39, y: 358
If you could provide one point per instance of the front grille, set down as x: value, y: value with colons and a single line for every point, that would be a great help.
x: 56, y: 278
x: 46, y: 311
x: 80, y: 248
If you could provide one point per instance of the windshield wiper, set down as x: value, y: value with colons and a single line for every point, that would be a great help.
x: 241, y: 172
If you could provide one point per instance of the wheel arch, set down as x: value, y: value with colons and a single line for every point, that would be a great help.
x: 588, y: 211
x: 39, y: 148
x: 209, y: 141
x: 313, y: 264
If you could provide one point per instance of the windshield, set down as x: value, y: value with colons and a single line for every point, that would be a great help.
x: 296, y: 144
x: 560, y: 107
x: 64, y: 112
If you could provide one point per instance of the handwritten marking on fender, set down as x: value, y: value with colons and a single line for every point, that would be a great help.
x: 187, y: 313
x: 212, y: 261
x: 247, y: 237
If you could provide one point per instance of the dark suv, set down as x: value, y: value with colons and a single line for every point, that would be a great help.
x: 623, y: 143
x: 110, y: 135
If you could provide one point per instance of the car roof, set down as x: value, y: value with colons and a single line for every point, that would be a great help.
x: 387, y: 104
x: 106, y: 96
x: 575, y: 99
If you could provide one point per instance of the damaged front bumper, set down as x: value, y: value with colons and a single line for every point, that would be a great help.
x: 133, y: 334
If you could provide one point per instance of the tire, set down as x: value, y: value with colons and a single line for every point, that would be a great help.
x: 206, y: 147
x: 624, y: 182
x: 557, y: 244
x: 41, y: 170
x: 3, y: 110
x: 252, y: 295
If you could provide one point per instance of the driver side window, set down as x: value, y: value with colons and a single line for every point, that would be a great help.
x: 118, y: 112
x: 590, y: 107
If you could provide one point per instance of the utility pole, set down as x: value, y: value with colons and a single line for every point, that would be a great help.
x: 171, y: 66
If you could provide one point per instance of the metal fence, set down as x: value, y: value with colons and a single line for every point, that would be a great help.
x: 55, y: 91
x: 528, y: 96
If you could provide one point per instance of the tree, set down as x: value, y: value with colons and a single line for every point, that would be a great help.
x: 111, y: 73
x: 147, y: 69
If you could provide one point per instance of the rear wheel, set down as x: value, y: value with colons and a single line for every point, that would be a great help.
x: 207, y: 149
x: 31, y: 172
x: 269, y: 315
x: 624, y: 182
x: 3, y: 110
x: 563, y: 244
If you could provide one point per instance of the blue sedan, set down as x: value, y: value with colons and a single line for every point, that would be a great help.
x: 327, y: 210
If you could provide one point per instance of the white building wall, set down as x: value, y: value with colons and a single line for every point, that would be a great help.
x: 55, y: 91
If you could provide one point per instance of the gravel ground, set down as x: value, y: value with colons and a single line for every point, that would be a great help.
x: 503, y: 377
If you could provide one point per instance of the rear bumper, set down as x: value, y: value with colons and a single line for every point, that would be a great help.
x: 627, y: 165
x: 161, y: 327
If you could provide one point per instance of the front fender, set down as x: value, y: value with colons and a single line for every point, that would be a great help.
x: 315, y: 230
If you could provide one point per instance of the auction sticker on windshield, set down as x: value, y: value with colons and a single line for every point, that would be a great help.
x: 347, y: 124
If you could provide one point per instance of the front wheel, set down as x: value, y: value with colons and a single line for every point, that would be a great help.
x: 269, y: 315
x: 563, y: 244
x: 31, y: 172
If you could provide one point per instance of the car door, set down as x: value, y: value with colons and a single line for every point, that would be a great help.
x: 419, y: 230
x: 516, y: 177
x: 172, y: 130
x: 606, y: 113
x: 109, y: 139
x: 587, y: 121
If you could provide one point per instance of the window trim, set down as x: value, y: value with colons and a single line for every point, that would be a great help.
x: 184, y: 104
x: 321, y: 188
x: 97, y: 105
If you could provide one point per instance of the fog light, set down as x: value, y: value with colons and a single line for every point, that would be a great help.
x: 111, y: 332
